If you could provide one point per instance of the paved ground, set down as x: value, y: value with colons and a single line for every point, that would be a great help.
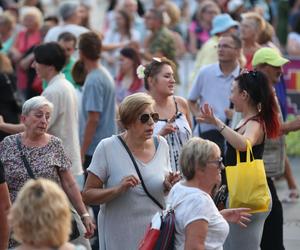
x: 291, y: 211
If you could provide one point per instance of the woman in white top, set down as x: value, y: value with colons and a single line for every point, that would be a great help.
x: 198, y: 223
x: 175, y: 121
x: 113, y: 181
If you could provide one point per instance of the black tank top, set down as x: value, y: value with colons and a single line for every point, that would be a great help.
x: 258, y: 150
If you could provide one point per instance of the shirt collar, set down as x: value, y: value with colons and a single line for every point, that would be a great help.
x: 235, y: 73
x: 56, y: 77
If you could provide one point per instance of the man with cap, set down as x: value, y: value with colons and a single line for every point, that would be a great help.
x: 221, y: 25
x: 216, y: 78
x: 270, y: 62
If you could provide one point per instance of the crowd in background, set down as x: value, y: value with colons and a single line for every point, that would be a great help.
x: 67, y: 89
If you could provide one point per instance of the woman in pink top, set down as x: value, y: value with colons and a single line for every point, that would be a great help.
x: 21, y: 53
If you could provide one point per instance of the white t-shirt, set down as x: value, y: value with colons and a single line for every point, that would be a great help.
x: 193, y: 204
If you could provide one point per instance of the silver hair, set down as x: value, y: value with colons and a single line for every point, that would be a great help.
x: 36, y: 103
x: 67, y: 9
x: 195, y: 154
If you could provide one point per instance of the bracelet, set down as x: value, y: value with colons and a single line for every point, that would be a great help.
x: 84, y: 215
x: 222, y: 128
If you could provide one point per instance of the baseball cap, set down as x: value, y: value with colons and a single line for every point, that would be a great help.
x: 269, y: 56
x: 221, y: 23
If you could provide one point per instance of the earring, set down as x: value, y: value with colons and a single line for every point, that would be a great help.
x: 259, y: 107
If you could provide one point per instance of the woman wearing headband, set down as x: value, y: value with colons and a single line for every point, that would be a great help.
x: 174, y: 116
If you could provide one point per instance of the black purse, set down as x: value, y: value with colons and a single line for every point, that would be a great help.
x: 220, y: 197
x: 75, y: 231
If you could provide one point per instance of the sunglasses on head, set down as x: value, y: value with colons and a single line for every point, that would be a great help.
x: 144, y: 118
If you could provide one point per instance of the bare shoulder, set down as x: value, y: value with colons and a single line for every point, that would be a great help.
x: 182, y: 103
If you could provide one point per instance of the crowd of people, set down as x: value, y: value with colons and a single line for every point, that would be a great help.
x: 95, y: 139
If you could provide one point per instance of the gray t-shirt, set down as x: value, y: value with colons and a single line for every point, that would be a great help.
x: 98, y: 96
x: 122, y: 221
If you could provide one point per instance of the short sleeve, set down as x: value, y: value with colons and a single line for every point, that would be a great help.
x: 196, y: 87
x: 62, y: 161
x: 93, y: 90
x: 99, y: 164
x: 197, y: 208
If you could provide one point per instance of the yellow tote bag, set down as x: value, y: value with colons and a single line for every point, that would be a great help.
x: 247, y: 184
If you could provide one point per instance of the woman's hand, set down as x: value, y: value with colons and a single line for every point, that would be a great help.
x: 237, y: 215
x: 167, y: 129
x: 171, y: 179
x: 207, y: 115
x: 89, y: 226
x: 128, y: 182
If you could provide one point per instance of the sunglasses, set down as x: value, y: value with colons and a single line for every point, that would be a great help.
x: 219, y: 162
x: 144, y: 118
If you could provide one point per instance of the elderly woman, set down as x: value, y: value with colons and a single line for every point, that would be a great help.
x: 175, y: 121
x: 113, y: 181
x: 45, y: 156
x: 40, y: 218
x: 198, y: 223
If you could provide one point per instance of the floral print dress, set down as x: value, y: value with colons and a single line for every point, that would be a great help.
x: 44, y: 161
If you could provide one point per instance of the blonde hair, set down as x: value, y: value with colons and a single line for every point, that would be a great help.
x: 31, y: 11
x: 41, y: 214
x: 173, y: 12
x: 259, y: 21
x: 195, y: 154
x: 8, y: 19
x: 132, y: 106
x: 204, y: 5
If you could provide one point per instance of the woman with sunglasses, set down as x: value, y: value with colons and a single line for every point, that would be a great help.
x: 254, y: 98
x: 175, y: 122
x: 113, y: 180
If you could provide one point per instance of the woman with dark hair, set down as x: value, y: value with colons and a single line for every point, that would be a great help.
x: 116, y: 38
x: 254, y: 98
x: 175, y: 121
x: 127, y: 81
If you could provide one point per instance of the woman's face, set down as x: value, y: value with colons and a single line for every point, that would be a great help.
x: 208, y: 14
x: 248, y: 29
x: 213, y: 168
x: 30, y: 22
x: 237, y: 97
x: 164, y: 82
x: 120, y: 20
x: 143, y: 129
x: 126, y: 64
x: 37, y: 120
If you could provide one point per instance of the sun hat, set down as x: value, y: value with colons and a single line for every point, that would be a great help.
x: 221, y: 23
x: 269, y: 56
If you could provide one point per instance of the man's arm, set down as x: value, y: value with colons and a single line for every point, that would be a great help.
x: 11, y: 128
x: 194, y: 107
x: 290, y: 126
x: 90, y: 130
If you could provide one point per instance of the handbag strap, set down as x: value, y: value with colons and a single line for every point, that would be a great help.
x: 24, y: 159
x: 139, y: 173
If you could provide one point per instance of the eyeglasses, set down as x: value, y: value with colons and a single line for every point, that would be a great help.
x: 219, y: 162
x: 225, y: 46
x: 144, y: 118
